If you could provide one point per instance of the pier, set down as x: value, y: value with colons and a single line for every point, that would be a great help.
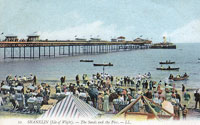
x: 37, y: 49
x: 33, y: 47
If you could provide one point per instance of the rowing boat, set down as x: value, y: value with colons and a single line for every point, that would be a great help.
x: 180, y: 78
x: 167, y: 62
x: 108, y: 64
x: 86, y: 60
x: 167, y: 68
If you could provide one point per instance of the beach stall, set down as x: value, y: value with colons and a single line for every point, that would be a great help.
x: 18, y: 88
x: 34, y: 103
x: 71, y: 107
x: 33, y: 88
x: 146, y: 110
x: 5, y: 89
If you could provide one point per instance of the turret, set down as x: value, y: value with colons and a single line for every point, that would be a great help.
x: 164, y: 39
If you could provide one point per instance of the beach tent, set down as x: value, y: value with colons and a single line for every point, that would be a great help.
x: 147, y: 110
x: 31, y: 87
x: 71, y: 107
x: 18, y: 88
x: 6, y: 87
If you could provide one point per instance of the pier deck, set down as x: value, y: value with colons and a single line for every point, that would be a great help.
x: 66, y: 43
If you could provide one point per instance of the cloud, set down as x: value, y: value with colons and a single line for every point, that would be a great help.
x: 189, y: 33
x: 94, y: 29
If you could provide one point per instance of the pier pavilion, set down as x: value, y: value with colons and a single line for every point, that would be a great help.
x: 11, y: 38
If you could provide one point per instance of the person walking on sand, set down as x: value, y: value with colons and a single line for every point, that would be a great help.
x: 177, y: 96
x: 100, y: 101
x: 106, y: 102
x: 176, y: 112
x: 187, y: 97
x: 183, y: 88
x: 197, y: 98
x: 34, y: 80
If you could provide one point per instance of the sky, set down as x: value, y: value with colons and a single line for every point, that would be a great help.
x: 179, y: 20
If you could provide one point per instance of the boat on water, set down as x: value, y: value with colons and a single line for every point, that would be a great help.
x: 104, y: 64
x: 167, y: 68
x: 178, y: 77
x: 86, y: 60
x: 163, y: 45
x: 167, y: 62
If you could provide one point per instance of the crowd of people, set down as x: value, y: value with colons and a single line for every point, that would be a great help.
x: 104, y: 92
x: 14, y: 91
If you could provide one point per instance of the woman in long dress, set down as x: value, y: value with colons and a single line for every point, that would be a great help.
x: 100, y: 101
x: 106, y: 103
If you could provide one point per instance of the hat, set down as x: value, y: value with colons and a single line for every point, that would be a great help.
x: 140, y: 92
x: 112, y: 91
x: 101, y: 92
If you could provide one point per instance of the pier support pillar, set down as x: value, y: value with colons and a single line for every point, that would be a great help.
x: 59, y: 50
x: 33, y: 52
x: 4, y: 52
x: 54, y: 50
x: 72, y: 50
x: 91, y: 49
x: 11, y: 52
x: 44, y: 50
x: 49, y: 51
x: 24, y: 52
x: 79, y: 49
x: 19, y: 52
x: 63, y: 50
x: 69, y: 50
x: 39, y: 51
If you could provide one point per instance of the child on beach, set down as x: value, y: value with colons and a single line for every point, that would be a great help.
x: 184, y: 112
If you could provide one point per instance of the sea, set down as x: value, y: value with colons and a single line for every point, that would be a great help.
x: 126, y: 63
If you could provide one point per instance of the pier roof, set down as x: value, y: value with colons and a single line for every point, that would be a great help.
x: 33, y: 35
x: 11, y: 35
x: 121, y: 37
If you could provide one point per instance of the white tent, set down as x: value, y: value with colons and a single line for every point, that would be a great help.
x: 71, y: 107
